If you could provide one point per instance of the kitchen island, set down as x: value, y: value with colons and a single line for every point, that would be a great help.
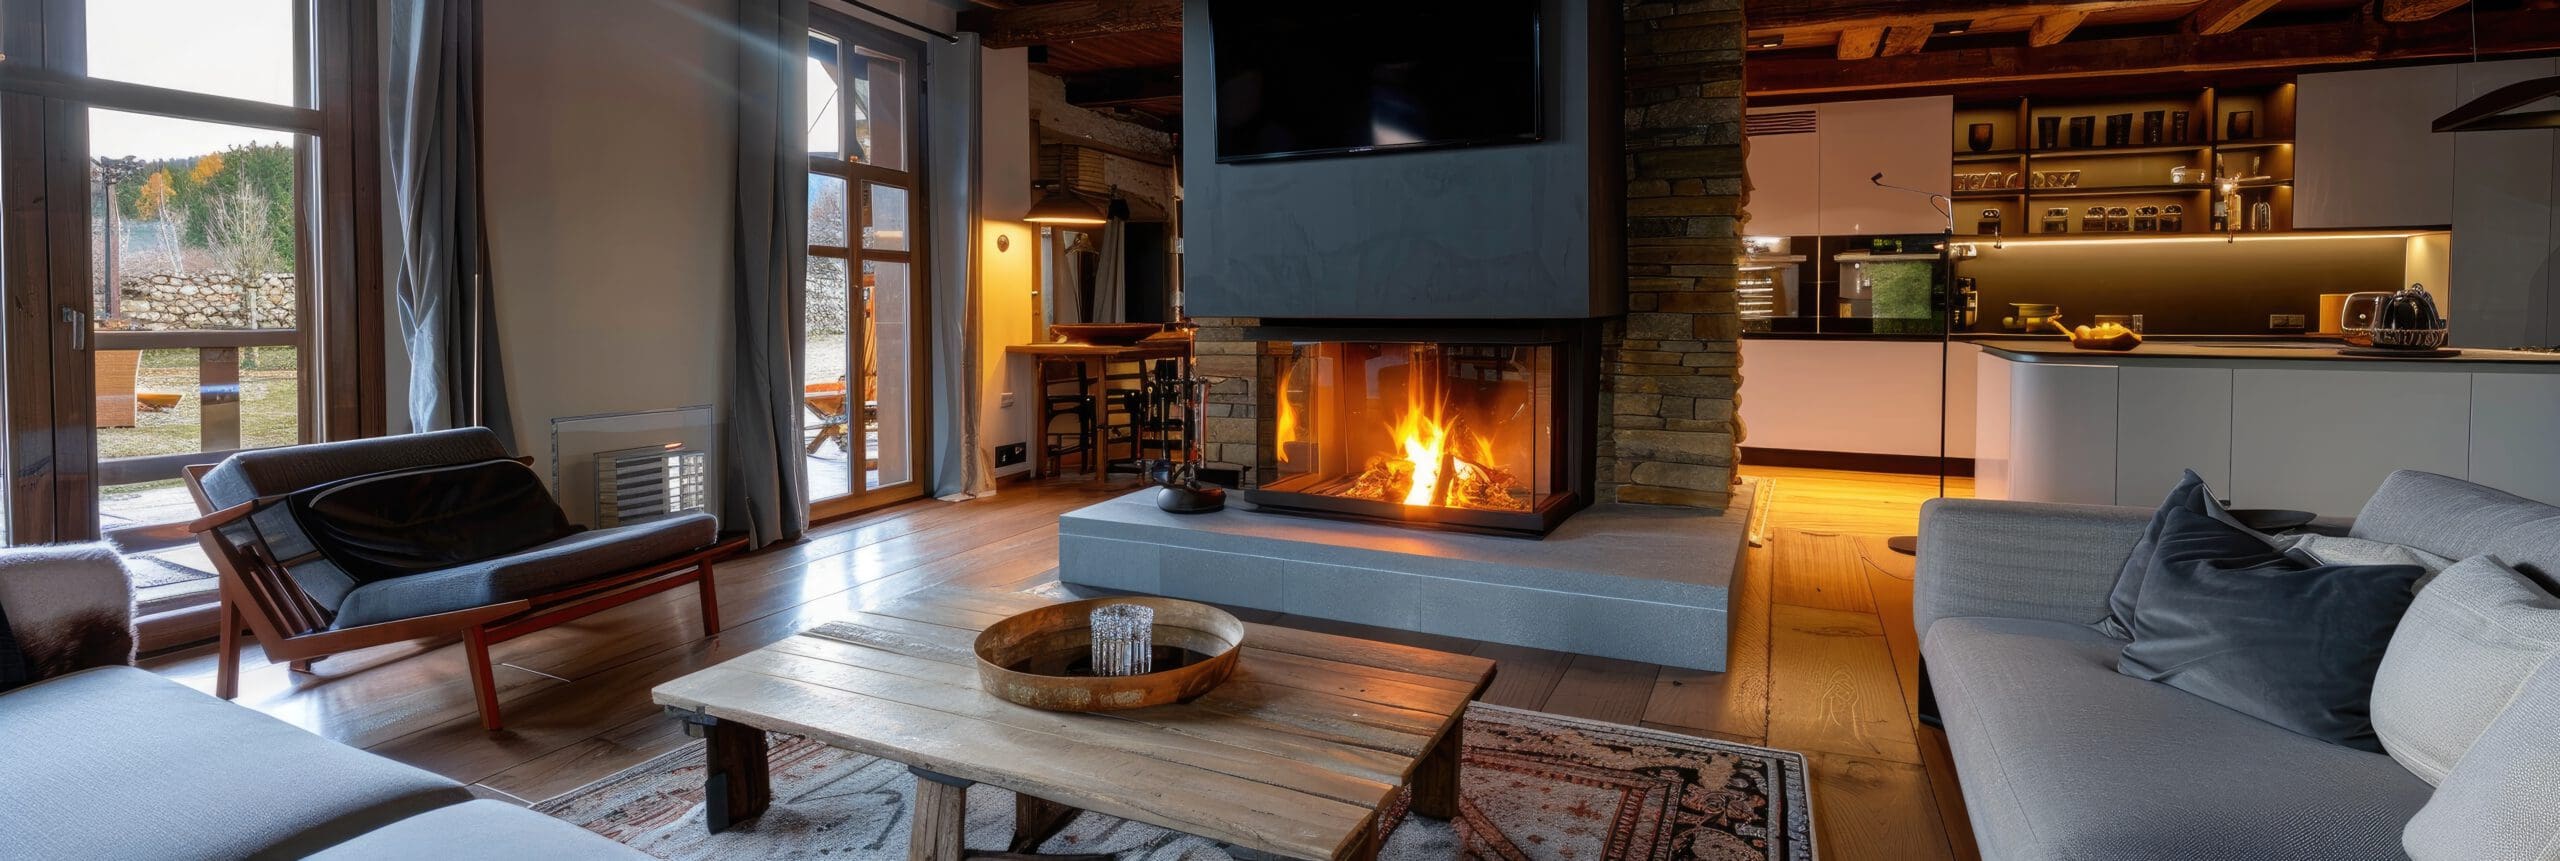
x: 2268, y: 424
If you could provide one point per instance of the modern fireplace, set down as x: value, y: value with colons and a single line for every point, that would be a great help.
x: 1482, y: 427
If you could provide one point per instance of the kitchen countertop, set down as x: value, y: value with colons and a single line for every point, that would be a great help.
x: 2226, y: 351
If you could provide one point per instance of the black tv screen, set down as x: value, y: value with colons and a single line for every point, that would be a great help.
x: 1324, y: 77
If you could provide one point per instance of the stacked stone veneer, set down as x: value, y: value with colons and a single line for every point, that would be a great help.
x: 212, y: 300
x: 1671, y: 367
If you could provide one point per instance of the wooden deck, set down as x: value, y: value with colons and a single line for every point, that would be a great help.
x: 1823, y: 657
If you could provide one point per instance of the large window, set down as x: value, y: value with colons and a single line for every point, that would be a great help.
x: 184, y: 202
x: 863, y: 303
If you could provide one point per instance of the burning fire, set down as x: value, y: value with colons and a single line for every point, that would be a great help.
x: 1288, y: 420
x: 1444, y: 464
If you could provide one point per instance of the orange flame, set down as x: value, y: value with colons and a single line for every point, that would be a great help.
x: 1287, y: 431
x: 1425, y: 439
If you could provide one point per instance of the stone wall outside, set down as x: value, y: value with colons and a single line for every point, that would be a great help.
x: 207, y: 300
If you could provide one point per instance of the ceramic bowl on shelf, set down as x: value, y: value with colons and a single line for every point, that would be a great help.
x: 1104, y: 334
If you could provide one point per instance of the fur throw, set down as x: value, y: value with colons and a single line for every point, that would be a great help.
x: 69, y: 607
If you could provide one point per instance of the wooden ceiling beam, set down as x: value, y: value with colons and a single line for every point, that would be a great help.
x: 2303, y: 47
x: 1905, y: 40
x: 1763, y: 16
x: 1859, y: 43
x: 2217, y: 17
x: 1068, y: 21
x: 2052, y: 29
x: 2405, y: 11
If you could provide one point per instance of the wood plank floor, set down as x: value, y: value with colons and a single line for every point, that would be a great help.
x: 1823, y: 657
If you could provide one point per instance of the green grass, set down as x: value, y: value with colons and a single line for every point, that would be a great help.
x: 270, y: 409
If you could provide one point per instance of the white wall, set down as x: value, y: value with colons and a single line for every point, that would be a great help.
x: 1007, y: 277
x: 610, y: 148
x: 1871, y: 397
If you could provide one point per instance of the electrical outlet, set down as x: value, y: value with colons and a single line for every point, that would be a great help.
x: 1005, y: 400
x: 2287, y: 321
x: 1008, y: 455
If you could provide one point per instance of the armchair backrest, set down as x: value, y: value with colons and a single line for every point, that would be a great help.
x: 255, y: 475
x: 2457, y: 519
x: 69, y: 606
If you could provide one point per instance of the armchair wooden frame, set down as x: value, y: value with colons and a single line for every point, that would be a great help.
x: 260, y: 597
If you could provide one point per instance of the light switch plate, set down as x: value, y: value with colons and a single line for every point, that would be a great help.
x: 2287, y: 321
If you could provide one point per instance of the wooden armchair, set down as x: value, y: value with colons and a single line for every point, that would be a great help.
x: 302, y: 607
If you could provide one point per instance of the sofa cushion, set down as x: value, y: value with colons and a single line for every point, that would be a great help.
x: 2450, y: 517
x: 2189, y: 495
x: 116, y: 762
x: 2497, y: 802
x: 2060, y: 756
x: 2342, y: 550
x: 429, y: 518
x: 482, y: 830
x: 2463, y: 650
x: 263, y: 473
x: 543, y: 568
x: 2230, y: 619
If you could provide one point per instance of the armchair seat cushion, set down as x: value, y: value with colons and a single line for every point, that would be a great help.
x: 533, y: 571
x: 116, y: 762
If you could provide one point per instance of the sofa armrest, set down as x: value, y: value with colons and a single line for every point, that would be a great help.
x: 69, y: 606
x: 2020, y: 560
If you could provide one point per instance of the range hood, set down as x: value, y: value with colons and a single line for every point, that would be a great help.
x: 2496, y: 111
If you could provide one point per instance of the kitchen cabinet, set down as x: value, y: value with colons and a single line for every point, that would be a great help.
x: 1803, y: 392
x: 2369, y: 157
x: 2268, y: 427
x: 2507, y: 242
x: 1889, y: 136
x: 2322, y: 440
x: 1818, y: 182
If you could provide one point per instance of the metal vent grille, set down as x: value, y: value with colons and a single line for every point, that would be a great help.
x: 1780, y: 123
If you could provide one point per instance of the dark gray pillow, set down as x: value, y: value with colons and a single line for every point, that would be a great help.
x: 2276, y: 637
x: 2192, y: 495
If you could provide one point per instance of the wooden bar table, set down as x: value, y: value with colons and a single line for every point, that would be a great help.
x: 1294, y: 756
x: 1095, y: 361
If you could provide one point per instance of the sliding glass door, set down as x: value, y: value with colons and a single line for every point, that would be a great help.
x: 180, y: 212
x: 863, y: 303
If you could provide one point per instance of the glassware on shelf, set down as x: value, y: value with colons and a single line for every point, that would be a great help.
x: 1978, y: 137
x: 1123, y: 640
x: 2262, y: 215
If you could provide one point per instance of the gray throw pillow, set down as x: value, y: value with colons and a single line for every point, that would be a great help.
x: 2341, y: 550
x: 2230, y: 619
x: 2497, y: 803
x: 2190, y: 494
x: 2464, y: 648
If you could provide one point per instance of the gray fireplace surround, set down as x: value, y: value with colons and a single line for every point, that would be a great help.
x: 1641, y: 583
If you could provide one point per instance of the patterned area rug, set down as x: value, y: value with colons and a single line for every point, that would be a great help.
x: 1532, y: 786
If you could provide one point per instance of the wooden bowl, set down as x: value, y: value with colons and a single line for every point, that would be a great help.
x: 1105, y: 334
x: 1197, y: 627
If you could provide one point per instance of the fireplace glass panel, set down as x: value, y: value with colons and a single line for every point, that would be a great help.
x: 1433, y: 428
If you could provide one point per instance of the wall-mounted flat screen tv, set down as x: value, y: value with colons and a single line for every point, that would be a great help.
x: 1299, y: 78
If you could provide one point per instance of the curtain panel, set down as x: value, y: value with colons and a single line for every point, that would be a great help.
x: 447, y: 316
x: 962, y: 466
x: 762, y: 488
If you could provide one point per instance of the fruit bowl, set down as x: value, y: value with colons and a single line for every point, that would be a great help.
x: 1104, y: 334
x: 2104, y: 336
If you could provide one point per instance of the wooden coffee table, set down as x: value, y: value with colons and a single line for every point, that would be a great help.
x: 1293, y: 756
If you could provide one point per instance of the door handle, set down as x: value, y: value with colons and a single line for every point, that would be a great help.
x: 79, y: 321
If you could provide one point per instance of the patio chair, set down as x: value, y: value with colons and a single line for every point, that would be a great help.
x: 302, y: 587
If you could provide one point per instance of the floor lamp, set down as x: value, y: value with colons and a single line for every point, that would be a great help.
x: 1942, y: 302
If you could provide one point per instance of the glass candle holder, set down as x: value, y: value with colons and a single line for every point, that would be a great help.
x: 1123, y: 640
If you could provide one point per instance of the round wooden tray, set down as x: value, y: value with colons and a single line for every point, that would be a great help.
x: 1197, y: 627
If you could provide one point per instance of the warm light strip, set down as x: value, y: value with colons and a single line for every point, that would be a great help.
x: 2007, y: 243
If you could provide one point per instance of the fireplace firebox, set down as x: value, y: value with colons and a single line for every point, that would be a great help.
x: 1476, y: 427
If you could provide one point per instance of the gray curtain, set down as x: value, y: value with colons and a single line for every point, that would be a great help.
x: 448, y: 319
x: 1111, y: 276
x: 962, y: 467
x: 761, y: 487
x: 1066, y: 300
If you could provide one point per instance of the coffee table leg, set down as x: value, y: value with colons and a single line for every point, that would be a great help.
x: 738, y: 785
x: 1035, y: 820
x: 1435, y: 782
x: 940, y: 831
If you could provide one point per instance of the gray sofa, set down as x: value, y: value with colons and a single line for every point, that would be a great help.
x: 115, y: 762
x: 2061, y: 757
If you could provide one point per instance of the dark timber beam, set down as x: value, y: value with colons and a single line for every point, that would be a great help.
x: 1905, y: 39
x: 1763, y: 16
x: 1859, y: 43
x: 2532, y: 28
x: 2404, y: 11
x: 1125, y: 87
x: 1075, y: 19
x: 2217, y: 17
x: 2052, y: 29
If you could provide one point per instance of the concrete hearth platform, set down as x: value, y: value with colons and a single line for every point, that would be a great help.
x: 1623, y: 581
